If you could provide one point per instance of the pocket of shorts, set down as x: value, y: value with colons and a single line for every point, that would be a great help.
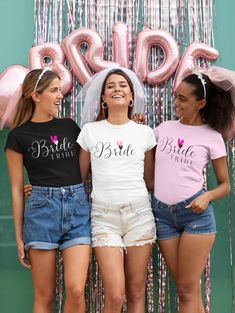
x: 81, y: 198
x: 35, y: 201
x: 96, y: 213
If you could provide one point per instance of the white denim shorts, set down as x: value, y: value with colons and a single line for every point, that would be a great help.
x: 122, y: 225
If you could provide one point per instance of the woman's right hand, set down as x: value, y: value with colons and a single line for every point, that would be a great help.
x: 27, y: 190
x: 21, y: 254
x: 138, y: 118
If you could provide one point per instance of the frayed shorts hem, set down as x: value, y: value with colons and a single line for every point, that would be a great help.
x: 141, y: 243
x: 122, y: 245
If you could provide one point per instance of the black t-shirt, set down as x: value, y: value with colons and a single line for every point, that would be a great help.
x: 50, y: 151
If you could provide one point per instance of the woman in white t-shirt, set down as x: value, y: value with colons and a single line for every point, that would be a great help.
x: 121, y: 155
x: 182, y: 207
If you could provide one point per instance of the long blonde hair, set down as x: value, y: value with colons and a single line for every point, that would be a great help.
x: 26, y: 105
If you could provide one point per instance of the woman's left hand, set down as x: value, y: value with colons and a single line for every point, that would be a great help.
x: 199, y: 204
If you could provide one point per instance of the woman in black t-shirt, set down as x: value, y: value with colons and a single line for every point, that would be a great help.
x: 57, y: 214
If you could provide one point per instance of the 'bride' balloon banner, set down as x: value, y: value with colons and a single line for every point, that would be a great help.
x: 71, y: 50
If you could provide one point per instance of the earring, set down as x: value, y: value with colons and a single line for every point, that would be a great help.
x: 131, y: 103
x: 104, y: 105
x: 104, y: 109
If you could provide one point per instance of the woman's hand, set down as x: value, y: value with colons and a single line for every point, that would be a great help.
x: 199, y: 204
x: 27, y: 190
x: 21, y: 254
x: 138, y: 118
x: 223, y: 187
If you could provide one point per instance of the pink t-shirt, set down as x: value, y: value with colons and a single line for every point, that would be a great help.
x: 181, y: 155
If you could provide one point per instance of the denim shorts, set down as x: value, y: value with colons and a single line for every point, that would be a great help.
x: 172, y: 220
x: 122, y: 225
x: 56, y: 217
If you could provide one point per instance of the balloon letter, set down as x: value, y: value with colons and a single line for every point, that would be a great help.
x: 145, y: 40
x: 11, y: 80
x: 37, y: 54
x: 93, y: 55
x: 189, y: 58
x: 120, y: 44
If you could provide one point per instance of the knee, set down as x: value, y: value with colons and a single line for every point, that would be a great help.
x: 187, y: 291
x: 75, y: 294
x: 45, y: 297
x: 115, y: 299
x: 136, y: 295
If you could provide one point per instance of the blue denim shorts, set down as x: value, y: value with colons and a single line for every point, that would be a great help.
x: 172, y: 220
x: 56, y: 217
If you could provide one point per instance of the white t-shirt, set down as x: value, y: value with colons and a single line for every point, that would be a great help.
x: 181, y: 155
x: 117, y: 159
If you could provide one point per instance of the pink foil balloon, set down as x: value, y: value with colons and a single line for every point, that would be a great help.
x: 188, y: 60
x: 145, y: 40
x: 93, y: 55
x: 11, y: 80
x: 120, y: 44
x: 54, y: 51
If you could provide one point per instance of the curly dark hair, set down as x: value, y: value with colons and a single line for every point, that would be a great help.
x: 219, y: 111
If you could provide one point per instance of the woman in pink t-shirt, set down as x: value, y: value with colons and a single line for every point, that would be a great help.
x: 183, y: 212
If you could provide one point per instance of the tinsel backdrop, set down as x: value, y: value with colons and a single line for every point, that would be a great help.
x: 188, y: 21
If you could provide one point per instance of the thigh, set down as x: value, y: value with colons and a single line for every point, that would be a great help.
x: 169, y: 249
x: 43, y: 270
x: 193, y: 253
x: 76, y: 261
x: 136, y: 263
x: 111, y: 265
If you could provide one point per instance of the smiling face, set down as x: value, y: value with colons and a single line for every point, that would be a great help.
x: 187, y: 107
x: 48, y: 102
x: 117, y: 92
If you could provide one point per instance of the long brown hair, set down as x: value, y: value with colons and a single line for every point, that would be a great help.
x: 26, y: 105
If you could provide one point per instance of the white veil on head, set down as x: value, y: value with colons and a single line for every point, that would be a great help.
x: 224, y: 78
x: 89, y: 96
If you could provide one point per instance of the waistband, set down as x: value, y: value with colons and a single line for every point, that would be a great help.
x: 64, y: 189
x: 181, y: 203
x: 135, y: 204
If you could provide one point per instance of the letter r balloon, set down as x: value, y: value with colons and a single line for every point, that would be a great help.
x: 93, y: 55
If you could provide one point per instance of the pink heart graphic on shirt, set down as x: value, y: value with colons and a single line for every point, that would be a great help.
x: 54, y: 139
x: 120, y: 144
x: 180, y: 142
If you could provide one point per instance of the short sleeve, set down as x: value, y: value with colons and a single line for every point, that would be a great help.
x: 76, y: 128
x: 156, y: 132
x: 14, y: 142
x: 217, y: 148
x: 82, y: 138
x: 151, y: 141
